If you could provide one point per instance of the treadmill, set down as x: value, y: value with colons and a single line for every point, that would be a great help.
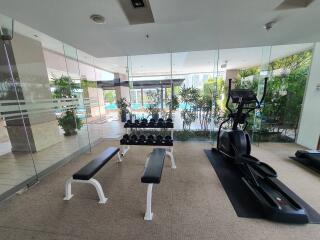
x: 310, y: 158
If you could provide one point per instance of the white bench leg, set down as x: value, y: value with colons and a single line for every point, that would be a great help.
x: 68, y: 194
x: 119, y: 157
x: 170, y: 154
x: 125, y: 149
x: 98, y: 187
x: 92, y: 181
x: 148, y: 215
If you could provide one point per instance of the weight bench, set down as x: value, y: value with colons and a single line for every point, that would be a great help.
x: 152, y: 175
x: 85, y: 174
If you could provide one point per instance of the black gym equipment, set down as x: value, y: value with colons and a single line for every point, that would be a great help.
x: 128, y: 124
x: 310, y: 158
x: 150, y: 140
x: 151, y: 123
x: 125, y: 139
x: 260, y: 178
x: 161, y: 123
x: 159, y: 139
x: 133, y: 138
x: 168, y: 140
x: 142, y: 139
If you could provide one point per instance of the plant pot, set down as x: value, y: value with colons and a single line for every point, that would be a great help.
x: 155, y: 116
x: 123, y: 116
x: 70, y: 132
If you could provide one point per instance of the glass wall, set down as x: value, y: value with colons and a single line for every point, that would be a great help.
x: 150, y: 77
x: 197, y: 77
x: 51, y: 106
x: 17, y: 162
x: 287, y: 67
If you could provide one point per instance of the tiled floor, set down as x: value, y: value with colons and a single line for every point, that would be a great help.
x: 16, y: 168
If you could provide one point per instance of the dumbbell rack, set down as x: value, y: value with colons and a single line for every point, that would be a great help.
x: 125, y: 147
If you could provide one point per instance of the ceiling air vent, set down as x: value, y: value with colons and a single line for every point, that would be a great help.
x: 137, y: 11
x: 292, y: 4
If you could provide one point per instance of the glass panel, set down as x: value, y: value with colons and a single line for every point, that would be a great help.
x: 194, y: 80
x: 289, y: 70
x: 76, y: 109
x: 149, y: 77
x: 17, y: 141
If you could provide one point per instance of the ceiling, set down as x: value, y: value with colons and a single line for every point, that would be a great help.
x: 180, y: 25
x: 199, y: 61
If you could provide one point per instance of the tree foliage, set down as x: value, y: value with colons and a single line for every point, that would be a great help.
x: 285, y: 93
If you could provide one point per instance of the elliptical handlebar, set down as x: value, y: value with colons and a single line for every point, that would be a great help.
x: 229, y: 96
x: 264, y: 91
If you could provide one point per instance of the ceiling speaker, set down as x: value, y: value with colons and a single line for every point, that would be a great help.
x: 293, y: 4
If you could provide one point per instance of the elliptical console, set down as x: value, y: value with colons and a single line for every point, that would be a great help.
x: 259, y: 177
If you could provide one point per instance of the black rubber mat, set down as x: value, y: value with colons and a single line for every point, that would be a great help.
x: 240, y: 197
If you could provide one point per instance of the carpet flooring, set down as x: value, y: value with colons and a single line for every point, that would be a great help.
x: 190, y: 202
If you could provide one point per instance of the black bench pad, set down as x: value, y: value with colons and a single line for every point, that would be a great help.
x: 95, y: 165
x: 152, y: 172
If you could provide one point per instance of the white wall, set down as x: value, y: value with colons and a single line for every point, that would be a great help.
x: 309, y: 127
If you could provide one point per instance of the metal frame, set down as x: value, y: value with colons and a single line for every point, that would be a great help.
x: 148, y: 215
x: 169, y: 152
x: 92, y: 181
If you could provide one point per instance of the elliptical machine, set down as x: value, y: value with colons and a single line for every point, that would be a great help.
x: 259, y: 177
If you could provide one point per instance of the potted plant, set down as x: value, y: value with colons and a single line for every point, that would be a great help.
x: 153, y: 111
x: 122, y: 105
x: 69, y: 123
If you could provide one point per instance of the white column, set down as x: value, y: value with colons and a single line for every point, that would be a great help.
x: 309, y: 127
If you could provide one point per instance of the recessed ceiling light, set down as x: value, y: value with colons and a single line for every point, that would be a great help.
x: 98, y: 19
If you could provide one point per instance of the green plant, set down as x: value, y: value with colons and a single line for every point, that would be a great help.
x: 69, y: 123
x: 123, y: 104
x: 69, y: 120
x: 189, y: 97
x: 63, y: 87
x: 285, y: 91
x: 173, y: 104
x: 155, y: 101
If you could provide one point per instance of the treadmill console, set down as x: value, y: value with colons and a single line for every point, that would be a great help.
x: 247, y: 96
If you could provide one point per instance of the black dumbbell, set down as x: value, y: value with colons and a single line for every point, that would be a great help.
x: 159, y: 139
x: 152, y: 120
x: 160, y: 124
x: 142, y: 139
x: 125, y: 139
x: 137, y: 122
x: 169, y: 123
x: 151, y: 123
x: 128, y: 124
x: 133, y: 138
x: 143, y: 122
x: 160, y: 120
x: 168, y: 140
x: 150, y: 139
